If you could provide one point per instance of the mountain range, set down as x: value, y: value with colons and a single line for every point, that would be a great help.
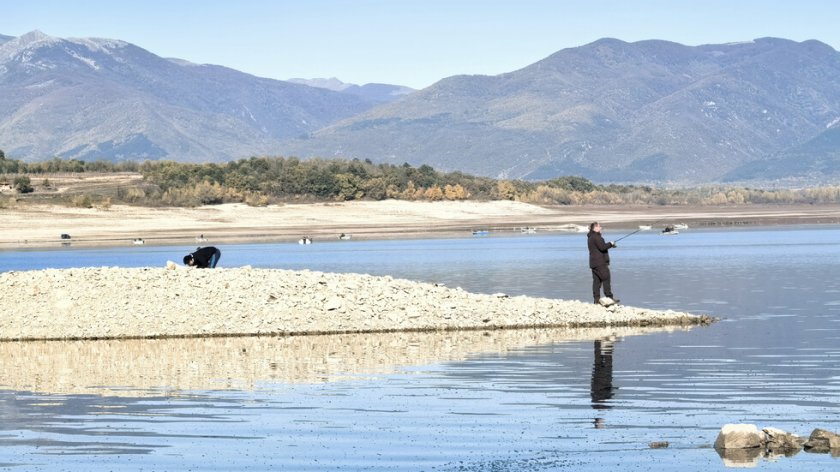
x: 107, y: 99
x: 766, y: 110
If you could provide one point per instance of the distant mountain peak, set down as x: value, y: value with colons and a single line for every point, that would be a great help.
x: 330, y: 84
x: 379, y: 93
x: 35, y: 38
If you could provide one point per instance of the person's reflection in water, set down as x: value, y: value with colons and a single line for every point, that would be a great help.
x: 602, y: 373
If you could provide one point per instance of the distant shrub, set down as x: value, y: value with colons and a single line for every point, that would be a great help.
x: 256, y: 200
x: 23, y: 184
x: 82, y: 201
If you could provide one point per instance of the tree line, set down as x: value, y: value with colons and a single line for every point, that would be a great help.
x: 264, y: 180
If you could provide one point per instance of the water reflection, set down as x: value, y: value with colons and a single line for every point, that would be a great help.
x: 129, y: 367
x: 602, y: 377
x: 741, y: 458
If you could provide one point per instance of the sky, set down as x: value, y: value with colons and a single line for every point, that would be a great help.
x: 408, y: 42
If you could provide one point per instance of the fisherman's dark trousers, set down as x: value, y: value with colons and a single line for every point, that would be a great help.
x: 601, y: 276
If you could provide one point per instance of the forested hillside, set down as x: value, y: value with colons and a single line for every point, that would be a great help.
x: 264, y: 180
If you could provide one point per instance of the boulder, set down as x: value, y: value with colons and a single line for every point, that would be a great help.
x: 822, y: 441
x: 739, y: 436
x: 779, y: 442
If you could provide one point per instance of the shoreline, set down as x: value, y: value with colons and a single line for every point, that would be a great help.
x: 157, y: 303
x: 40, y: 226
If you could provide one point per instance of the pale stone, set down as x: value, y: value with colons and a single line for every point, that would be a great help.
x: 739, y: 436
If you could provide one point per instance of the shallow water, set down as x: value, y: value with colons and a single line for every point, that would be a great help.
x: 530, y: 400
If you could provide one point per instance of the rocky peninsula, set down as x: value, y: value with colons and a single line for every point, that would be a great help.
x: 124, y: 303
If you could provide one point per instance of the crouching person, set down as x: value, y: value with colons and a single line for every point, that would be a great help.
x: 203, y: 258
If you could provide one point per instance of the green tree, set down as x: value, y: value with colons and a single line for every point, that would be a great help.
x: 573, y: 183
x: 23, y: 184
x: 347, y: 187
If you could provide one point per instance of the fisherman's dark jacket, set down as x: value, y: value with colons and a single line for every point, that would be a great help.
x: 599, y: 250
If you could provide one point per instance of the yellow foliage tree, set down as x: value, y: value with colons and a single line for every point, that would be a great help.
x: 455, y: 192
x: 506, y: 190
x: 434, y: 193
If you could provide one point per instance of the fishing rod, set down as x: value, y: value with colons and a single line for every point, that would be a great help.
x: 640, y: 229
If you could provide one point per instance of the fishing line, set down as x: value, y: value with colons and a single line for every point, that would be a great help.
x: 640, y: 229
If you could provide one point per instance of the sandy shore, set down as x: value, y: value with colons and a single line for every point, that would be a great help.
x: 42, y: 225
x: 117, y: 303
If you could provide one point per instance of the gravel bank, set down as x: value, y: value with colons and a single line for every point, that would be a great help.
x: 116, y: 303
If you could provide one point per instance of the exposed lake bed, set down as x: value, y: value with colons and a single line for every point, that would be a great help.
x: 529, y: 402
x: 41, y: 225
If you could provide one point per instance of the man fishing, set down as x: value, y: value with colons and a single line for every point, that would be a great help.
x: 599, y: 262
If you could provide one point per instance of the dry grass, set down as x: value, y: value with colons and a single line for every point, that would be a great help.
x: 64, y: 188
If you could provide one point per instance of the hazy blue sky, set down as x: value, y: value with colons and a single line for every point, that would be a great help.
x: 408, y: 42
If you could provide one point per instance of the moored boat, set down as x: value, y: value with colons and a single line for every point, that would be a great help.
x: 670, y: 230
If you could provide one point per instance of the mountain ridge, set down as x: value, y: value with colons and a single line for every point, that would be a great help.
x: 78, y: 98
x: 610, y: 111
x: 375, y: 92
x: 649, y: 111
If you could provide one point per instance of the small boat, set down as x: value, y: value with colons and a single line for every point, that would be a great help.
x: 305, y: 240
x: 344, y: 237
x: 644, y: 227
x: 670, y: 230
x: 138, y: 241
x: 480, y: 232
x: 200, y: 239
x: 528, y: 230
x: 574, y: 228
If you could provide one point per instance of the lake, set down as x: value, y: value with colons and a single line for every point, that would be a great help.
x: 515, y: 401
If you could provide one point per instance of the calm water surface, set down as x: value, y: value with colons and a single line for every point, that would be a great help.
x: 591, y: 404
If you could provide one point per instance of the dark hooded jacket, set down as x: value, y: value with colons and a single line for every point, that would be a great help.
x: 599, y: 250
x: 202, y: 256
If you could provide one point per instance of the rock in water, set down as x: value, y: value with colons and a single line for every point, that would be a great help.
x: 779, y: 441
x: 822, y: 441
x: 739, y: 436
